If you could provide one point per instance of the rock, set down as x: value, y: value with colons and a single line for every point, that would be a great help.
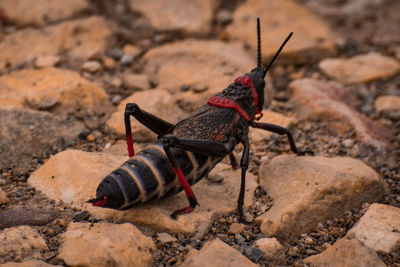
x: 91, y: 66
x: 62, y: 91
x: 258, y: 135
x: 271, y: 249
x: 105, y: 244
x: 378, y: 229
x: 312, y: 39
x: 361, y: 68
x: 216, y: 253
x: 165, y: 238
x: 236, y: 228
x: 29, y: 263
x: 132, y: 50
x: 25, y: 216
x: 29, y: 134
x: 387, y: 103
x: 197, y: 64
x: 69, y: 175
x: 137, y: 82
x: 351, y: 253
x: 254, y: 254
x: 158, y: 102
x: 308, y: 190
x: 21, y: 243
x: 73, y: 176
x: 46, y: 61
x: 109, y: 63
x: 41, y: 12
x: 3, y: 197
x: 224, y: 16
x: 78, y: 39
x: 178, y: 15
x: 329, y: 100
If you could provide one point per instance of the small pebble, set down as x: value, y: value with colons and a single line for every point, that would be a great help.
x: 224, y: 16
x: 91, y: 66
x: 236, y: 228
x: 81, y: 215
x: 116, y: 99
x: 109, y: 63
x: 239, y: 239
x: 90, y: 138
x: 165, y: 238
x: 254, y: 254
x: 126, y: 59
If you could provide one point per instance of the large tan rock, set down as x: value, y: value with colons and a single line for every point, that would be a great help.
x: 40, y: 12
x: 258, y: 135
x: 379, y: 228
x: 205, y: 67
x: 18, y: 243
x: 271, y: 249
x: 361, y: 68
x: 312, y: 39
x: 216, y: 253
x: 28, y: 134
x: 73, y: 176
x: 351, y: 253
x: 387, y: 103
x: 29, y: 263
x: 157, y: 102
x: 308, y: 190
x: 194, y: 17
x: 79, y: 39
x: 105, y: 244
x: 60, y: 91
x: 329, y: 101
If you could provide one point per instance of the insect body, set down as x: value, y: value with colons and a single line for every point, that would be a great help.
x: 187, y: 151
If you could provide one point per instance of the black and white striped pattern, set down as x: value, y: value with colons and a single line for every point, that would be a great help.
x: 149, y: 173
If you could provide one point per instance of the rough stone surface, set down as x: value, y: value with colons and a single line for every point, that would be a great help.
x: 25, y: 216
x: 3, y: 197
x: 105, y: 244
x: 379, y: 228
x: 178, y: 15
x: 216, y: 253
x: 204, y: 67
x: 29, y: 263
x: 329, y: 101
x: 57, y: 90
x: 361, y: 68
x: 312, y: 39
x: 40, y: 12
x: 271, y: 249
x: 236, y: 228
x: 19, y: 243
x: 138, y: 82
x: 31, y: 134
x: 91, y: 66
x: 46, y: 61
x: 165, y: 238
x: 157, y: 102
x: 258, y: 135
x: 387, y: 103
x: 308, y: 190
x: 73, y: 176
x: 79, y: 39
x: 351, y: 253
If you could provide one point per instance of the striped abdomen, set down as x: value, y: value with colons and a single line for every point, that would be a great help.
x: 149, y: 175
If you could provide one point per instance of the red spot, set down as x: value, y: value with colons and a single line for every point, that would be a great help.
x: 100, y: 203
x: 129, y: 143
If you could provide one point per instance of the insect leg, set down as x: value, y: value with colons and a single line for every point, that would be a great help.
x: 233, y: 161
x: 244, y: 164
x: 207, y: 147
x: 281, y: 130
x: 152, y: 122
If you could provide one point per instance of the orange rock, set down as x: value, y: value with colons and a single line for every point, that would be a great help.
x: 40, y: 12
x: 361, y: 68
x: 312, y: 39
x: 308, y: 190
x: 387, y: 103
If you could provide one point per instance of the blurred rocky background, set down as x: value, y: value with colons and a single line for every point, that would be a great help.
x: 67, y: 69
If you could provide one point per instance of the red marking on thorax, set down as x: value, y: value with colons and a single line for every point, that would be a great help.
x: 100, y: 203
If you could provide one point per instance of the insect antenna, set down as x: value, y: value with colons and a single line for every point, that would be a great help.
x: 258, y: 44
x: 277, y: 53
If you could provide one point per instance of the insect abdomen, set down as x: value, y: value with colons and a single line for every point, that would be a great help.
x: 149, y: 174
